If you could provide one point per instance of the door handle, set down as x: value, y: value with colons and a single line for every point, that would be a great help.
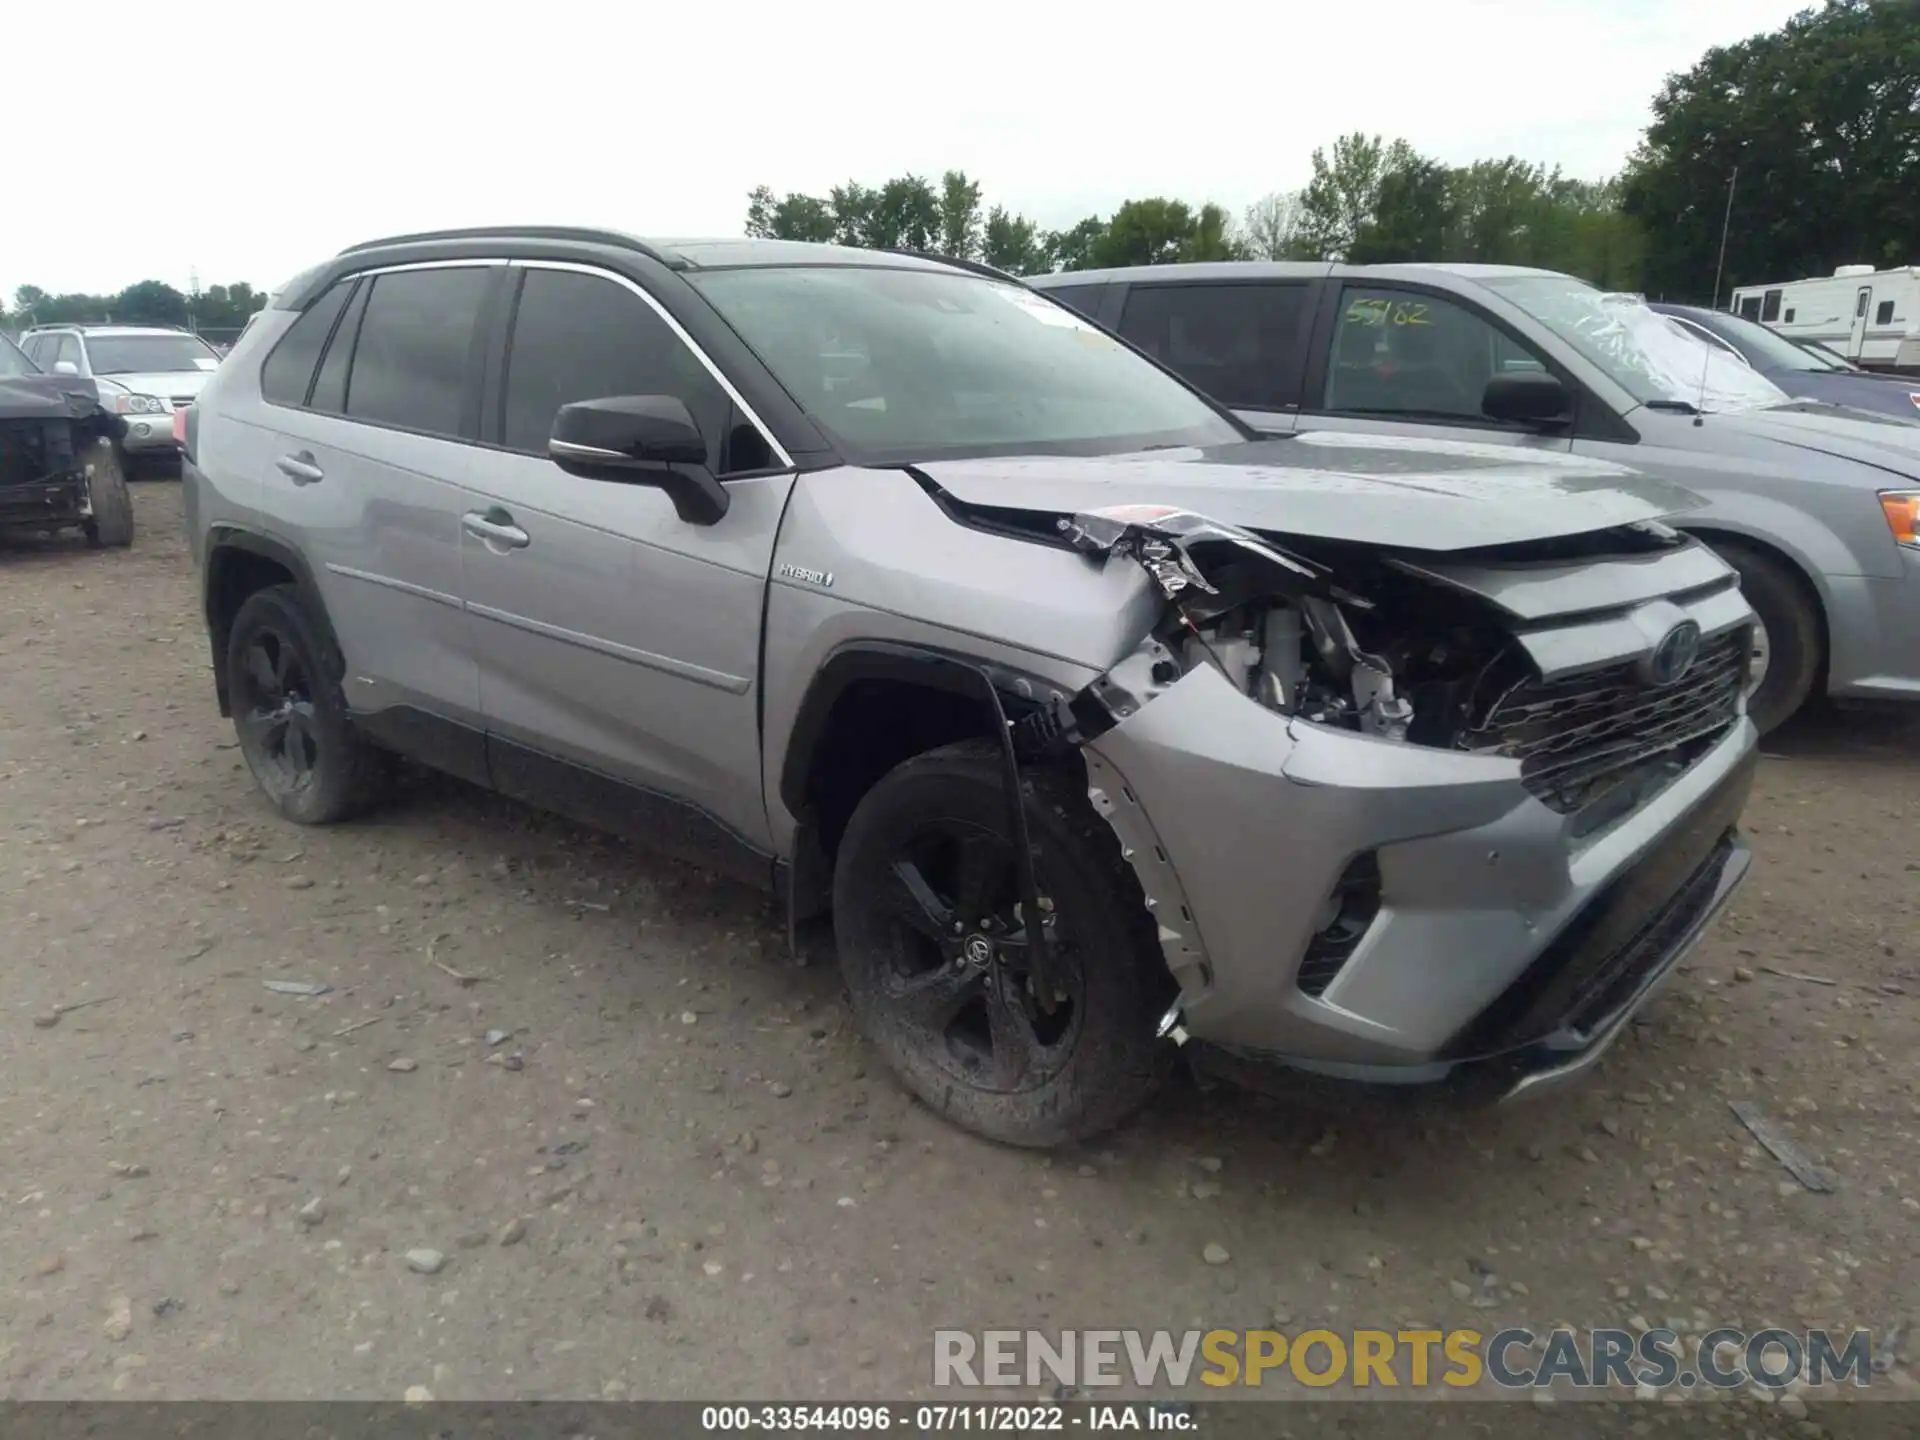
x: 496, y: 527
x: 300, y: 468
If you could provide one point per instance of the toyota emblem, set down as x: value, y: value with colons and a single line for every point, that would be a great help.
x: 1673, y: 656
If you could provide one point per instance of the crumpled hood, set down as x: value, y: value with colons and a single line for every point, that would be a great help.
x: 1884, y: 441
x: 46, y: 397
x: 1409, y: 494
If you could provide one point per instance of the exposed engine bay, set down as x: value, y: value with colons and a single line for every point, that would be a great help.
x: 1350, y: 636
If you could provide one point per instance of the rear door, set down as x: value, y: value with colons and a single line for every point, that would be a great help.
x: 1243, y: 342
x: 617, y: 640
x: 1394, y: 359
x: 366, y: 471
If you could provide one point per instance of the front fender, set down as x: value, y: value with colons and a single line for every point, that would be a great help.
x: 1811, y: 542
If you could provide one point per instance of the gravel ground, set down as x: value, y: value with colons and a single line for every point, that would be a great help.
x: 568, y: 1122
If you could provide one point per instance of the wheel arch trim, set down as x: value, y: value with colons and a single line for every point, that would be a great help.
x: 227, y: 540
x: 924, y: 666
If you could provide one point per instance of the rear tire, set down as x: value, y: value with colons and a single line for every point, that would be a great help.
x: 291, y: 717
x: 1795, y: 636
x: 966, y: 1033
x: 112, y: 524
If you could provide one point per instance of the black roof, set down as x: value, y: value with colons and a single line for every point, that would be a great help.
x: 621, y: 249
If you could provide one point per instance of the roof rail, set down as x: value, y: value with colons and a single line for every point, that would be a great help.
x: 977, y: 267
x: 583, y: 234
x: 107, y: 325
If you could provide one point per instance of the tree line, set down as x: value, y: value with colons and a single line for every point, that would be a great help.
x: 1815, y: 129
x: 219, y: 310
x: 1370, y: 201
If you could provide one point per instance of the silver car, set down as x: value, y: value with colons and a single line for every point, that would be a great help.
x: 1096, y: 724
x: 1816, y: 506
x: 144, y: 372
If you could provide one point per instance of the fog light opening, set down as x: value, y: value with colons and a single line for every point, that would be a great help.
x: 1347, y: 914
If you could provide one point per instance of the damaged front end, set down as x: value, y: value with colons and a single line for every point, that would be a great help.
x: 1247, y: 612
x: 1365, y: 789
x: 48, y: 428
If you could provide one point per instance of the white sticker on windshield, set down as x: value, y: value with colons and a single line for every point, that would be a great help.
x: 1043, y: 310
x: 206, y: 362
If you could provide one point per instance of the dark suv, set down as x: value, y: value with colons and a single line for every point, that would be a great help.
x: 57, y: 465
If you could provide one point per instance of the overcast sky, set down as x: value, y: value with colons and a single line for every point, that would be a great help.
x: 245, y: 140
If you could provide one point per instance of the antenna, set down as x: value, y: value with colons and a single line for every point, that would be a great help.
x: 1706, y: 360
x: 1725, y: 226
x: 1719, y: 268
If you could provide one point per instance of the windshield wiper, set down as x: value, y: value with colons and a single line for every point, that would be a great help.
x: 1676, y: 407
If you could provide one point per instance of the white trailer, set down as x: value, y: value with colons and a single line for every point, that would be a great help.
x: 1870, y: 316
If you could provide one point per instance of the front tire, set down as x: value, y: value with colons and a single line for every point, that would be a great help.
x: 1794, y: 637
x: 291, y: 718
x: 934, y: 953
x: 111, y: 525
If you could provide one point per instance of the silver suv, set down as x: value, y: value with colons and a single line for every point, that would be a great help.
x: 144, y: 372
x: 1816, y: 506
x: 1097, y: 724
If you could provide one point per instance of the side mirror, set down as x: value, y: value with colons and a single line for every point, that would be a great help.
x: 1528, y: 397
x: 65, y: 367
x: 640, y: 440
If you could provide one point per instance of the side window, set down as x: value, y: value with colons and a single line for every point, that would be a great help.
x: 1882, y: 316
x: 288, y: 373
x: 1860, y: 304
x: 1750, y: 307
x: 35, y: 347
x: 330, y: 386
x: 585, y: 337
x: 1239, y: 343
x: 1084, y: 298
x: 1399, y: 353
x: 1787, y: 319
x: 413, y: 356
x: 1770, y: 307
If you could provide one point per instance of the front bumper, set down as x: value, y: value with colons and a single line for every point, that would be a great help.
x: 1875, y: 624
x: 149, y: 435
x: 49, y: 504
x: 1501, y: 934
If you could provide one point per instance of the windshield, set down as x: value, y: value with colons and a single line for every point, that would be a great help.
x: 14, y: 361
x: 1833, y: 359
x: 153, y: 354
x: 1766, y: 349
x: 903, y: 364
x: 1655, y: 360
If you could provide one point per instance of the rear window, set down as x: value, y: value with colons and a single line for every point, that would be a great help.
x: 1084, y: 298
x: 288, y: 373
x: 1239, y: 343
x: 412, y: 359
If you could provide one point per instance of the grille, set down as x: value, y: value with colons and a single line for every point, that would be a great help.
x: 32, y: 451
x: 1577, y: 737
